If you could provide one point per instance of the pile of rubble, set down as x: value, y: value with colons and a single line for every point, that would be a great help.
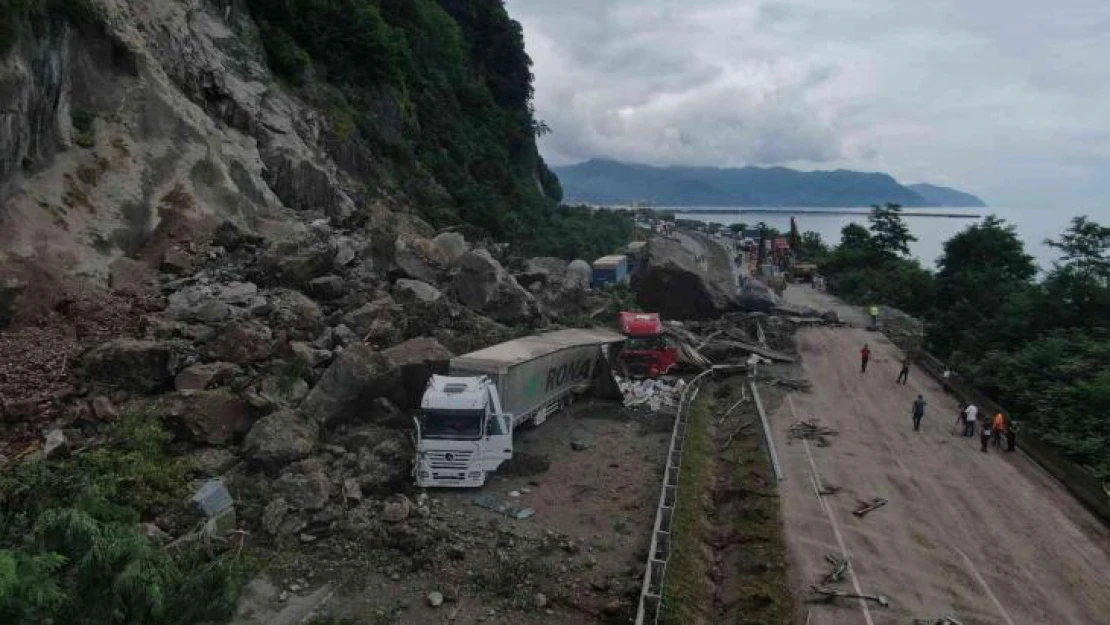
x: 652, y: 395
x: 811, y: 430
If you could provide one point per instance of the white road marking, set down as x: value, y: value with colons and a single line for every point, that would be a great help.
x: 832, y: 521
x: 983, y: 583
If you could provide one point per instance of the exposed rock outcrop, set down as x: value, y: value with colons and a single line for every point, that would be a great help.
x: 279, y: 439
x: 418, y: 359
x: 134, y: 365
x: 357, y: 376
x: 482, y: 284
x: 211, y: 417
x: 673, y: 283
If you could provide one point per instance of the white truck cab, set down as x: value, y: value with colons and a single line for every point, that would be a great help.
x: 464, y: 430
x: 461, y: 432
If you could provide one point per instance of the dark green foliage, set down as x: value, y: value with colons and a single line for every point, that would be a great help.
x: 577, y: 232
x: 458, y: 73
x: 890, y: 234
x: 1039, y: 349
x: 70, y: 546
x: 980, y: 273
x: 812, y: 248
x: 17, y: 15
x: 862, y: 272
x: 84, y: 133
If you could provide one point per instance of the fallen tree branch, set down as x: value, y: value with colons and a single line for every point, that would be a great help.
x: 840, y: 567
x: 870, y: 506
x: 830, y: 594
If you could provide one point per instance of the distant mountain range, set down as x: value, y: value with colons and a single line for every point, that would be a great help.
x: 601, y: 181
x: 945, y: 196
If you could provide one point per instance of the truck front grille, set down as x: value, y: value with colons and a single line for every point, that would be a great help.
x: 448, y: 460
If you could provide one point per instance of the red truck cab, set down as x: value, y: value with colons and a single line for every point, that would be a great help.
x: 646, y: 351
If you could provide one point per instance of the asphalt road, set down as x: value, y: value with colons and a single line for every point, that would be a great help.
x: 985, y: 538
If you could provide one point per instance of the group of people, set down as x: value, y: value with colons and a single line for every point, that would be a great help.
x: 991, y: 430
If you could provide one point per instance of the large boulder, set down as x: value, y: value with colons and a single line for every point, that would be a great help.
x: 296, y: 314
x: 673, y: 283
x: 451, y: 245
x: 304, y: 485
x: 361, y: 320
x: 283, y: 389
x: 241, y: 343
x: 418, y: 258
x: 203, y: 376
x: 132, y: 365
x: 540, y: 271
x: 294, y: 263
x: 415, y: 291
x: 327, y: 287
x: 580, y: 272
x: 279, y: 439
x: 211, y: 417
x: 756, y: 296
x: 417, y: 359
x: 211, y: 303
x: 559, y: 291
x: 356, y: 377
x: 480, y: 283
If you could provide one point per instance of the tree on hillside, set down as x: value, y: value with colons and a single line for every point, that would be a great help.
x: 1077, y: 291
x: 811, y: 247
x: 738, y: 228
x: 855, y: 236
x: 983, y: 272
x: 891, y: 234
x: 1085, y: 247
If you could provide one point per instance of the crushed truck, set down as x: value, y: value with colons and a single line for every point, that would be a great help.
x: 464, y: 429
x: 645, y: 352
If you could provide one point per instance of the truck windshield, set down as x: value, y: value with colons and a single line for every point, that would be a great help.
x: 645, y: 343
x: 465, y: 425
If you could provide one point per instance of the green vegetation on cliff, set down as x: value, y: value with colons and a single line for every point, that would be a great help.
x: 71, y: 549
x: 1039, y: 348
x: 443, y: 90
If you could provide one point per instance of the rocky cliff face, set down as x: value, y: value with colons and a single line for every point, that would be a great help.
x: 158, y: 184
x: 147, y: 124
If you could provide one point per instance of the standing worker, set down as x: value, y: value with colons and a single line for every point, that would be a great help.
x: 904, y: 375
x: 864, y: 356
x: 985, y: 435
x: 1011, y: 436
x: 971, y: 415
x: 918, y: 412
x: 961, y: 421
x: 874, y: 312
x: 998, y: 429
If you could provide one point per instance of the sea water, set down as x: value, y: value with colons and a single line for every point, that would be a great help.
x: 1033, y: 226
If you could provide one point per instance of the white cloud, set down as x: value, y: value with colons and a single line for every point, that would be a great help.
x: 1006, y: 98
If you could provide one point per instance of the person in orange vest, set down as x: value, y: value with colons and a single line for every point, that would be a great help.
x: 998, y: 429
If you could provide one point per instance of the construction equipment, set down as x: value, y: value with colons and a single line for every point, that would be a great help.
x: 465, y: 427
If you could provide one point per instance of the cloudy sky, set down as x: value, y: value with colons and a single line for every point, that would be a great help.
x: 1009, y: 99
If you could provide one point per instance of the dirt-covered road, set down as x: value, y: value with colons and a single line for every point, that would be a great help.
x: 985, y: 538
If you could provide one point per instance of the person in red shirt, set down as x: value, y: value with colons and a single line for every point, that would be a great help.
x: 864, y: 355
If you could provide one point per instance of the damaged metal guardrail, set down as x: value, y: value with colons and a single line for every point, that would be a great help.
x: 651, y: 593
